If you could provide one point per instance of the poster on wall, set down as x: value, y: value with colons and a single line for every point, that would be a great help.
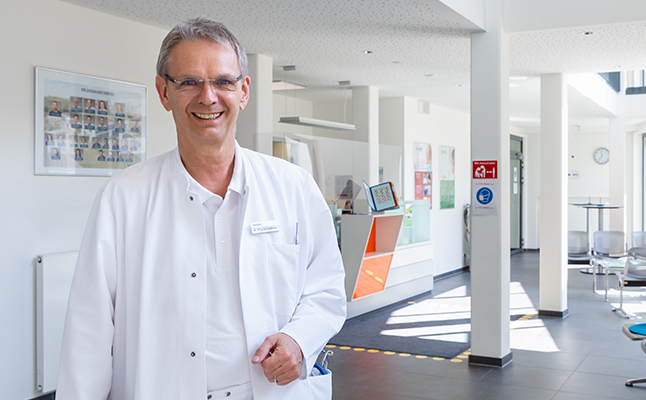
x: 86, y: 125
x: 484, y: 188
x: 423, y: 163
x: 447, y: 177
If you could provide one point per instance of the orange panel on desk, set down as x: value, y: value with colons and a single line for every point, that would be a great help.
x: 372, y: 239
x: 372, y: 276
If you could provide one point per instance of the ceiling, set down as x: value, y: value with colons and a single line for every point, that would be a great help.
x: 419, y: 48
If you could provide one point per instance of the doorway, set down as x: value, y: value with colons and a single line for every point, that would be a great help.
x: 516, y: 194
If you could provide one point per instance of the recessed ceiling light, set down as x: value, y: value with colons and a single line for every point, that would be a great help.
x: 588, y: 33
x: 368, y: 52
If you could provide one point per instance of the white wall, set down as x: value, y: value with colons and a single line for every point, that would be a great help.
x: 47, y: 214
x: 593, y: 183
x: 442, y: 127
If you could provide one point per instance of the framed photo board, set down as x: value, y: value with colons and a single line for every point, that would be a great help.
x: 87, y: 125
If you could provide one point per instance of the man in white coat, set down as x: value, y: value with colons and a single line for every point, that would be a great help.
x: 210, y: 271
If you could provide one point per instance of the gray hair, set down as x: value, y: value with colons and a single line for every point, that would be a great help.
x: 200, y: 28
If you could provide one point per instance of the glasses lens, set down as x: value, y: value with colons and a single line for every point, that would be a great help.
x: 191, y: 86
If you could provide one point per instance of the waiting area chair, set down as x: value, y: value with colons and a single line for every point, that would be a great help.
x: 609, y: 248
x: 633, y: 275
x: 578, y: 247
x: 636, y: 332
x: 639, y: 239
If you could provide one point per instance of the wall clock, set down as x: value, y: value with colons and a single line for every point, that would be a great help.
x: 601, y: 155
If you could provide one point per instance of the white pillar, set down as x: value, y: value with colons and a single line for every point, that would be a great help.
x: 490, y: 234
x: 618, y: 176
x: 365, y: 116
x: 255, y: 124
x: 554, y: 192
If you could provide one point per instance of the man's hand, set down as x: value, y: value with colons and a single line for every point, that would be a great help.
x: 281, y: 358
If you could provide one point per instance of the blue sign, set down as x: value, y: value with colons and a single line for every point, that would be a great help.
x: 484, y: 195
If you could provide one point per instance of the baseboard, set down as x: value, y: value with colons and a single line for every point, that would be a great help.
x: 553, y: 314
x: 48, y: 396
x: 450, y: 274
x: 493, y: 362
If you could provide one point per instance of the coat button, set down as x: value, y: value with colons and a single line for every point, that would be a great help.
x: 227, y: 394
x: 190, y: 197
x: 193, y: 274
x: 192, y: 354
x: 208, y: 397
x: 223, y: 240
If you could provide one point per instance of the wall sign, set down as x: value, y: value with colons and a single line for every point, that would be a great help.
x: 423, y: 163
x: 484, y: 189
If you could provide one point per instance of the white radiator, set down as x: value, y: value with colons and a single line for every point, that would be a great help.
x: 54, y: 274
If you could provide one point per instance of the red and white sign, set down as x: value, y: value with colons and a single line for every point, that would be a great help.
x: 485, y: 170
x: 484, y: 188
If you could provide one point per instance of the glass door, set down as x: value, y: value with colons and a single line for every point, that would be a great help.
x: 516, y: 193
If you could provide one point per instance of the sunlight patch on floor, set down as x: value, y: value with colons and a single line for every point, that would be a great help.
x: 526, y: 333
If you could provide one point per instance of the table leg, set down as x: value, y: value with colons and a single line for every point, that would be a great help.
x: 606, y: 298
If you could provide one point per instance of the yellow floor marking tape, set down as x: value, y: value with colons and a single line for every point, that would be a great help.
x: 404, y: 355
x: 389, y: 353
x: 421, y: 357
x: 373, y: 351
x: 463, y: 357
x: 330, y: 346
x: 438, y: 359
x: 456, y: 360
x: 359, y: 349
x: 345, y: 348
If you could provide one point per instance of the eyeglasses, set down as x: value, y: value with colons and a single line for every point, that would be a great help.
x: 191, y: 86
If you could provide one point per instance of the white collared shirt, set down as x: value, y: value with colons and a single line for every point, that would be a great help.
x: 227, y: 361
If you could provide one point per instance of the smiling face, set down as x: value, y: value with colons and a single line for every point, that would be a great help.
x: 88, y: 103
x: 208, y: 118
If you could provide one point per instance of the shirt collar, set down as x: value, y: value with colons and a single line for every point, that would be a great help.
x: 237, y: 179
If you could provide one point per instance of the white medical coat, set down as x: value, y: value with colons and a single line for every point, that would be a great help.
x: 136, y: 316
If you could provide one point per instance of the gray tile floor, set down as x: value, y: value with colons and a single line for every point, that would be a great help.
x: 589, y: 356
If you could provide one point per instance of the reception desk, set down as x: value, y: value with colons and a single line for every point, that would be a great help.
x: 384, y: 262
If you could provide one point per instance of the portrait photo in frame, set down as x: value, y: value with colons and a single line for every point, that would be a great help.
x: 86, y: 125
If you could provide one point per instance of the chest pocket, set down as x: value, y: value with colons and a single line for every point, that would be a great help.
x: 283, y: 267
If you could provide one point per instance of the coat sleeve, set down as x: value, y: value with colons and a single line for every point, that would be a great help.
x: 85, y: 369
x: 321, y: 309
